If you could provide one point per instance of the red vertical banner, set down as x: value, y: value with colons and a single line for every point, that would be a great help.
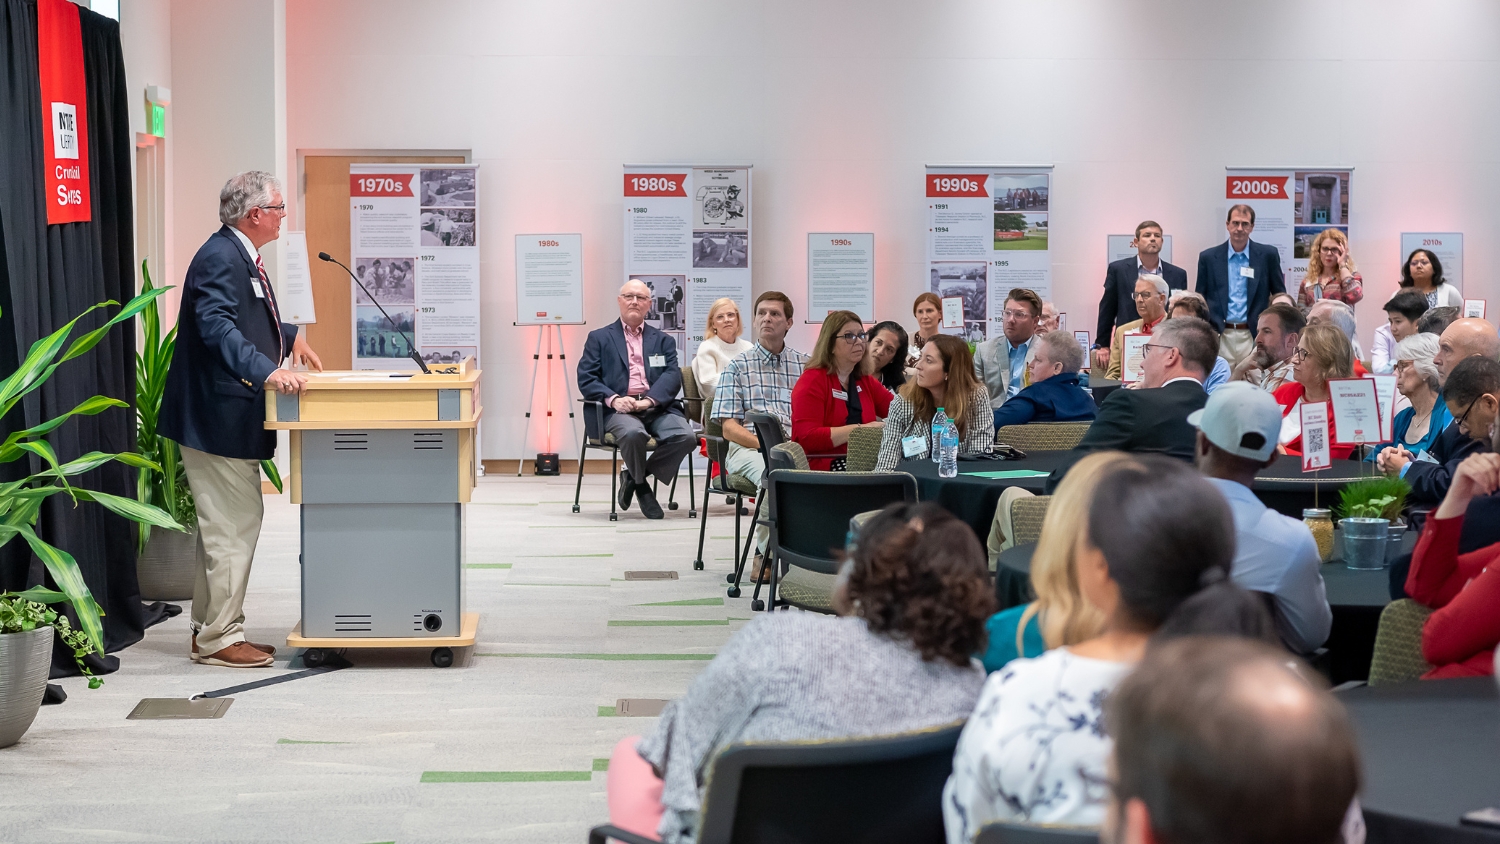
x: 65, y: 140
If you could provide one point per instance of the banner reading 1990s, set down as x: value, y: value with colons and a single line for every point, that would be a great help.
x: 986, y: 235
x: 687, y: 237
x: 1291, y: 207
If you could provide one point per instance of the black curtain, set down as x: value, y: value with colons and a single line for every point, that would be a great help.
x: 50, y: 274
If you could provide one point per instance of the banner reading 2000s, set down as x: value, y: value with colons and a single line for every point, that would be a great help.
x: 687, y: 238
x: 987, y: 235
x: 1291, y: 207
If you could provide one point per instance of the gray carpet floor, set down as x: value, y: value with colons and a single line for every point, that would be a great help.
x: 509, y: 744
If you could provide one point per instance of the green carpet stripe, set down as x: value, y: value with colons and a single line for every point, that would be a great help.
x: 487, y: 565
x: 656, y: 530
x: 599, y: 585
x: 537, y: 556
x: 695, y: 602
x: 298, y: 741
x: 682, y: 623
x: 610, y: 657
x: 601, y: 764
x: 506, y: 776
x: 607, y: 712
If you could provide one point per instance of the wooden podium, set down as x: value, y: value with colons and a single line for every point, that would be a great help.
x: 382, y: 464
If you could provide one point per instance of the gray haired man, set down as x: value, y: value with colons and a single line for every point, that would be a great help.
x: 1151, y: 293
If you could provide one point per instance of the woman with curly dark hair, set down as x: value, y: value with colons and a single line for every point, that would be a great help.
x: 912, y: 600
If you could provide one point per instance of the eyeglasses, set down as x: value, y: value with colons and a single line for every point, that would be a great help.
x: 1299, y: 355
x: 852, y: 337
x: 1329, y: 249
x: 1141, y: 297
x: 1017, y: 314
x: 279, y: 209
x: 1154, y: 346
x: 1466, y: 413
x: 635, y: 297
x: 1402, y: 365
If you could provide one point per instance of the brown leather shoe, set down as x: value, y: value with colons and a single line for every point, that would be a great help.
x: 268, y: 650
x: 238, y: 655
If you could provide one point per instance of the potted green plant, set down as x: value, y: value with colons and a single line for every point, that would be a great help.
x: 27, y: 622
x: 1368, y: 508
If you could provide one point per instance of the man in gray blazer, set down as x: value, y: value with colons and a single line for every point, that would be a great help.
x: 1000, y: 363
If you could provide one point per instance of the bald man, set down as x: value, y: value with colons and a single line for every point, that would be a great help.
x: 631, y: 369
x: 1431, y: 476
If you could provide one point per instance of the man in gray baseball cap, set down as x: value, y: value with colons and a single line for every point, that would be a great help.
x: 1275, y: 554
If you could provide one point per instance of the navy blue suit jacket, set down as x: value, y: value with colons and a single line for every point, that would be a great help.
x: 1213, y: 281
x: 1057, y: 399
x: 604, y: 367
x: 1117, y: 305
x: 227, y: 345
x: 1430, y: 481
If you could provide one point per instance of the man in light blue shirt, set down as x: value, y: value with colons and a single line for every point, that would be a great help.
x: 1274, y: 554
x: 1000, y: 362
x: 1239, y: 283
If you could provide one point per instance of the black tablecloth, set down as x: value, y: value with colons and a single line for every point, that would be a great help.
x: 1101, y: 388
x: 1431, y: 752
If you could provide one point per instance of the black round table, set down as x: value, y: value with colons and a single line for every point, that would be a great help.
x: 1431, y: 752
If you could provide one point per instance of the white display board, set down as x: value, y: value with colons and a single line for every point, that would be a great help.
x: 296, y: 299
x: 687, y: 237
x: 840, y: 275
x: 987, y: 235
x: 1291, y: 206
x: 549, y: 279
x: 413, y: 234
x: 1447, y: 246
x: 1119, y: 247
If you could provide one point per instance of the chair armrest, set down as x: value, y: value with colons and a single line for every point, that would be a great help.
x: 598, y: 834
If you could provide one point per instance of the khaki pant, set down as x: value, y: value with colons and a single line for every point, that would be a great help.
x: 1236, y: 344
x: 227, y: 493
x: 1002, y: 536
x: 747, y: 462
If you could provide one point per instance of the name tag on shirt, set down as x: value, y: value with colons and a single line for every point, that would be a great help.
x: 786, y: 395
x: 840, y: 395
x: 1247, y: 272
x: 913, y: 446
x: 260, y: 293
x: 1424, y: 457
x: 657, y: 360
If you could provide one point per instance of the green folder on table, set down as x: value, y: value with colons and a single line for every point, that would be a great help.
x: 1007, y: 474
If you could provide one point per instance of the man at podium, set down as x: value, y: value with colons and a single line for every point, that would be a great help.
x: 631, y: 368
x: 231, y: 342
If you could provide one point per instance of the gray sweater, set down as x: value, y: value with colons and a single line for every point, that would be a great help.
x: 790, y: 676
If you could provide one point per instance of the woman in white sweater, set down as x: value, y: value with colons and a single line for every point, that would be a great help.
x: 721, y: 344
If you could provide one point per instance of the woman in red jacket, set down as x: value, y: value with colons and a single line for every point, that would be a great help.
x: 836, y: 394
x: 1322, y: 353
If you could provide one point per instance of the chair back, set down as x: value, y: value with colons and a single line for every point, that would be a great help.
x: 810, y: 511
x: 1024, y: 833
x: 788, y: 456
x: 692, y: 397
x: 1043, y: 436
x: 768, y: 430
x: 1026, y: 516
x: 883, y: 790
x: 1398, y: 643
x: 711, y: 426
x: 864, y: 449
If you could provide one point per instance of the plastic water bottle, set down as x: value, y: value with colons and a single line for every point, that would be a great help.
x: 939, y: 421
x: 948, y: 465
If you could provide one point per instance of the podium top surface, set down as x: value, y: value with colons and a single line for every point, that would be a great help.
x: 460, y: 376
x: 380, y: 399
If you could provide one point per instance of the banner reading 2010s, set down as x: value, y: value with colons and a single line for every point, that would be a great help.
x: 413, y: 235
x: 987, y: 235
x: 687, y: 237
x: 1291, y: 208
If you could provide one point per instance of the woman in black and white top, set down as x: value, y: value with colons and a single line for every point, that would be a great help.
x: 944, y: 378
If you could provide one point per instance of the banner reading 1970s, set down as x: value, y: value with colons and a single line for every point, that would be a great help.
x: 687, y: 237
x: 1291, y: 207
x: 987, y: 235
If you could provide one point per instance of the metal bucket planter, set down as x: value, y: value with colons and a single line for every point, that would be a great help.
x: 168, y: 568
x: 25, y: 659
x: 1365, y: 542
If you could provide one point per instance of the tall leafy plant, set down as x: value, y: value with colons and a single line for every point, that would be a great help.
x: 167, y: 488
x: 21, y: 500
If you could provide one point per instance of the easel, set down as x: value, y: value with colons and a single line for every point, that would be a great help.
x: 536, y: 363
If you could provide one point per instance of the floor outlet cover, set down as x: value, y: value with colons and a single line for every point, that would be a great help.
x: 639, y: 707
x: 176, y: 708
x: 650, y: 575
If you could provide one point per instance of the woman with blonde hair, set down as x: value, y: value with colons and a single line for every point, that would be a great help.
x: 721, y: 344
x: 1330, y: 271
x: 1323, y: 353
x: 1059, y: 616
x: 944, y: 378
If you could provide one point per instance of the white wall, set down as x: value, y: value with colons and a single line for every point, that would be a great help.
x: 146, y: 41
x: 1140, y: 105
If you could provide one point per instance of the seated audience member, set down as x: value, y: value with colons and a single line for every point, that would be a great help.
x: 1155, y: 559
x: 1437, y: 320
x: 911, y: 599
x: 1059, y: 616
x: 1331, y: 273
x: 1463, y: 589
x: 888, y: 354
x: 1402, y: 313
x: 1322, y: 353
x: 944, y: 379
x: 1054, y: 394
x: 1276, y: 335
x: 1050, y: 318
x: 1187, y: 303
x: 1225, y: 740
x: 1151, y: 303
x: 835, y: 395
x: 721, y: 344
x: 1274, y: 554
x: 1340, y: 316
x: 928, y: 309
x: 1429, y: 479
x: 1417, y: 426
x: 1000, y: 362
x: 1423, y: 272
x: 1284, y: 298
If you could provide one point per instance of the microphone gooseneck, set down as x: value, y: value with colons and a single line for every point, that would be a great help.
x: 324, y: 256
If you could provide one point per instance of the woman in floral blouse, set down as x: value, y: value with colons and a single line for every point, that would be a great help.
x: 1330, y: 271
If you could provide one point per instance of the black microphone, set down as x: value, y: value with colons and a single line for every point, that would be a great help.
x: 324, y: 256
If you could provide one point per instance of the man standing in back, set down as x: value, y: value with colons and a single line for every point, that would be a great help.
x: 1238, y: 278
x: 1117, y: 305
x: 1000, y: 363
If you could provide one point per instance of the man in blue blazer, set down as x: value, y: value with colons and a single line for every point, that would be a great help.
x: 1238, y: 278
x: 631, y: 368
x: 1117, y: 305
x: 231, y: 343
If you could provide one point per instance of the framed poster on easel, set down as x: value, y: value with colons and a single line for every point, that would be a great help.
x: 549, y: 294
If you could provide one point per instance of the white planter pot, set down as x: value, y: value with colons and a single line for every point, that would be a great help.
x: 169, y: 566
x: 25, y: 659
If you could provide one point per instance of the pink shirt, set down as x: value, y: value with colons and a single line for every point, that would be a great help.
x: 636, y: 355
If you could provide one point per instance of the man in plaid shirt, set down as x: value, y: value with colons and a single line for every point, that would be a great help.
x: 759, y: 381
x: 1276, y: 335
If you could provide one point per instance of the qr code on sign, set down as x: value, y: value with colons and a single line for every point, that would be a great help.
x: 1315, y: 440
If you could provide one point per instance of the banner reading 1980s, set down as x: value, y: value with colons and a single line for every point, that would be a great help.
x: 687, y: 237
x: 1291, y: 207
x: 987, y: 235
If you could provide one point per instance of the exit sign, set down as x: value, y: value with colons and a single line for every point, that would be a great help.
x: 158, y: 120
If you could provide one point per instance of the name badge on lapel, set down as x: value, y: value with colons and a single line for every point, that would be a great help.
x: 260, y: 293
x: 840, y: 395
x: 657, y: 360
x: 913, y: 446
x: 1247, y: 272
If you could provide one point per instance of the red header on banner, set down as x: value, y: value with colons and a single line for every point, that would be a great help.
x: 381, y: 184
x: 65, y: 140
x: 1256, y: 187
x: 956, y: 184
x: 655, y: 184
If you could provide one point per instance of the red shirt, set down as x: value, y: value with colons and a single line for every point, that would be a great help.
x: 815, y: 410
x: 1460, y: 636
x: 1287, y: 395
